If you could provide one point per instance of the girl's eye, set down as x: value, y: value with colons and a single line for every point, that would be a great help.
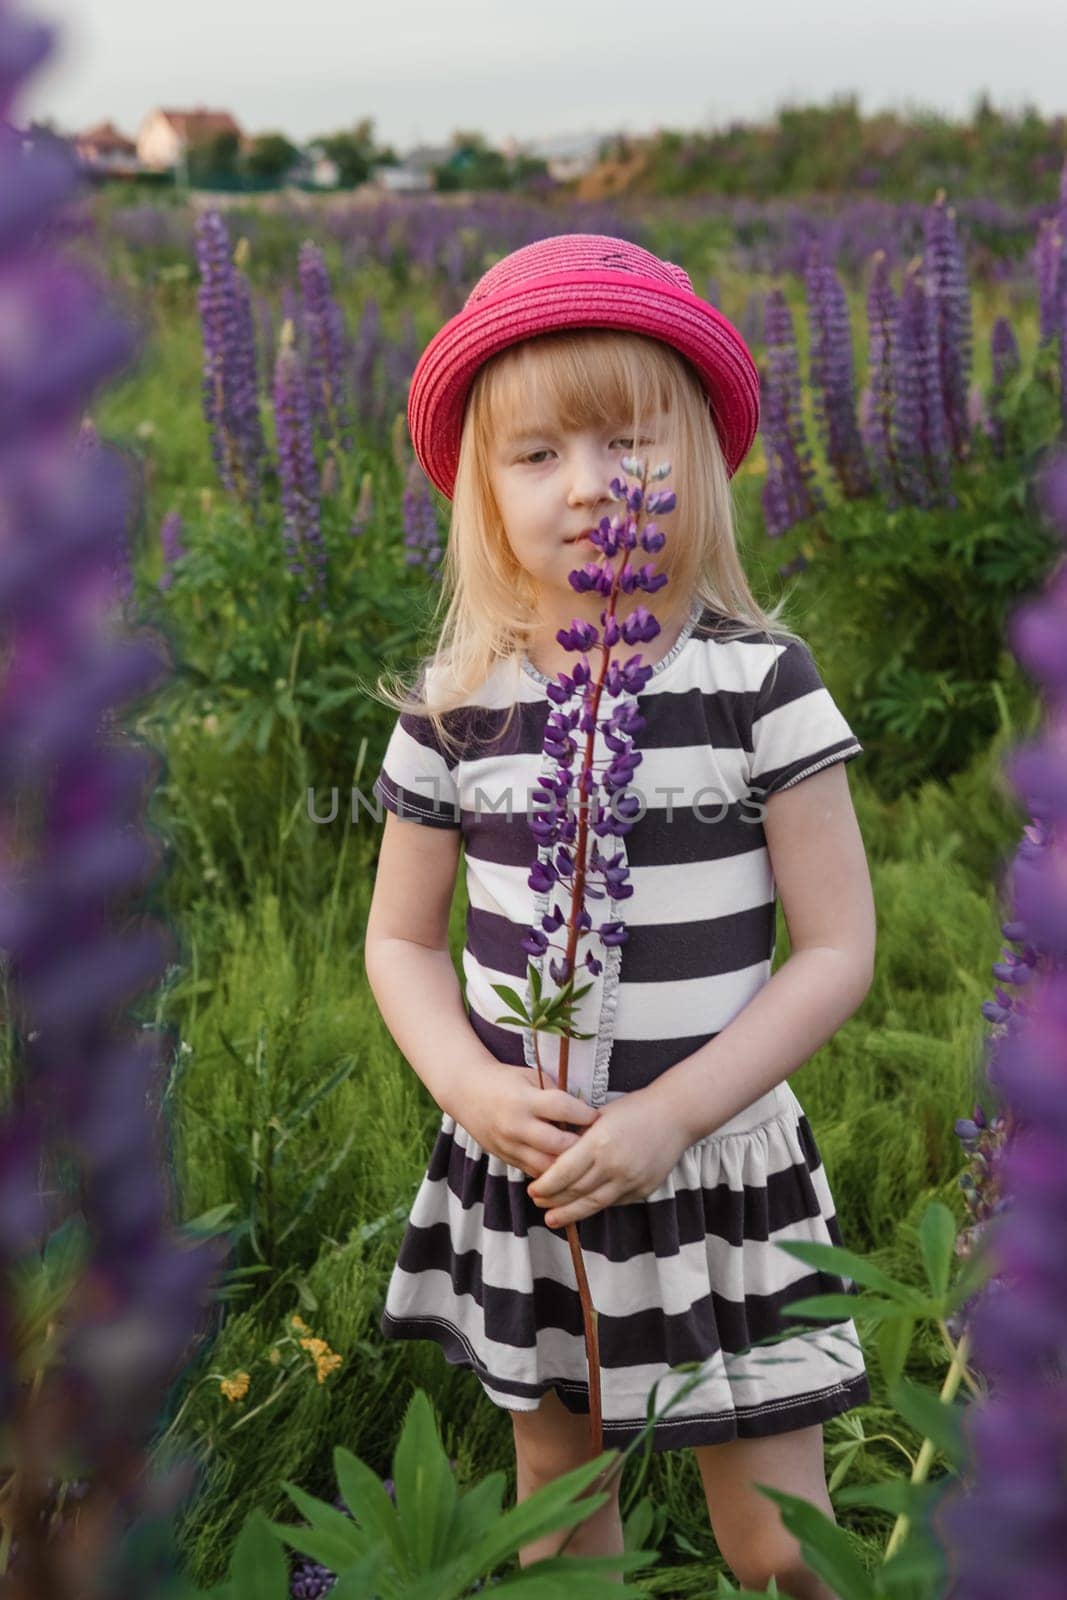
x: 623, y: 438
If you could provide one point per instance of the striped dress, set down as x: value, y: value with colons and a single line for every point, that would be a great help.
x: 693, y: 1272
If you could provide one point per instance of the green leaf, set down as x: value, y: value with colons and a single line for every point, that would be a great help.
x: 863, y: 1307
x: 511, y: 996
x: 893, y: 1340
x: 832, y: 1258
x: 478, y: 1510
x: 259, y: 1570
x: 332, y: 1538
x: 932, y: 1418
x: 897, y: 1496
x: 972, y: 1276
x: 535, y: 984
x: 576, y: 1577
x: 937, y: 1236
x: 209, y: 1222
x: 368, y: 1500
x: 825, y: 1546
x: 425, y: 1487
x: 266, y: 723
x: 357, y: 1582
x: 551, y: 1507
x: 300, y: 1113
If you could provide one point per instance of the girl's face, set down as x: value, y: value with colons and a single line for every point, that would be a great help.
x: 551, y: 487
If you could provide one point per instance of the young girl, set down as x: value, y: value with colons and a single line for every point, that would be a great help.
x: 692, y: 1156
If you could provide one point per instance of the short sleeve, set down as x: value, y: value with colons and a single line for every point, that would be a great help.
x: 797, y: 728
x: 417, y: 780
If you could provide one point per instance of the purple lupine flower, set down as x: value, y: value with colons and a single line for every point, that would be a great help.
x: 74, y: 849
x: 230, y: 391
x: 883, y: 318
x: 782, y: 421
x: 831, y: 371
x: 298, y: 472
x: 327, y: 349
x: 398, y: 362
x: 422, y: 541
x: 1003, y: 1527
x: 365, y: 360
x: 1050, y: 263
x: 909, y: 400
x: 565, y: 857
x: 364, y: 507
x: 1006, y: 364
x: 266, y: 337
x: 945, y: 276
x: 246, y: 389
x: 936, y: 447
x: 751, y: 321
x: 170, y: 537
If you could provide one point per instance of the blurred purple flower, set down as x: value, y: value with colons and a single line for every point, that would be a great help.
x: 1050, y: 262
x: 327, y: 362
x: 945, y: 276
x: 230, y: 387
x: 1004, y: 1525
x: 831, y: 376
x: 364, y: 507
x: 297, y: 469
x: 929, y: 441
x: 790, y: 493
x: 1004, y: 348
x: 366, y: 358
x: 421, y: 538
x: 79, y: 1139
x: 883, y: 317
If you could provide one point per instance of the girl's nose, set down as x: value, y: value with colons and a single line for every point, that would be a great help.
x: 590, y: 480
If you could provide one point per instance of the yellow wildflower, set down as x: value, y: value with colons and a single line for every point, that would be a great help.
x: 298, y: 1322
x: 235, y: 1388
x: 325, y: 1359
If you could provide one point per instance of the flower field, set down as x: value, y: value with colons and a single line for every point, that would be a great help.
x: 283, y: 547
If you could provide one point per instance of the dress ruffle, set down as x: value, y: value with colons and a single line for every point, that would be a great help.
x: 691, y: 1274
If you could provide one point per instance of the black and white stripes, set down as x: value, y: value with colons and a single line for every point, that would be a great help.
x: 692, y: 1273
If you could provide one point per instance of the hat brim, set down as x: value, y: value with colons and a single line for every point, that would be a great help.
x: 625, y: 300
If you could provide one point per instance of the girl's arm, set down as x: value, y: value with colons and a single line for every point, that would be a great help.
x: 820, y: 867
x: 408, y: 962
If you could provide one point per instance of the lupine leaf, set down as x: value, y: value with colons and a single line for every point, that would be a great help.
x: 832, y: 1258
x: 937, y: 1237
x: 259, y: 1570
x: 931, y: 1417
x: 511, y: 996
x: 894, y: 1341
x: 331, y: 1538
x: 425, y: 1487
x: 366, y: 1497
x: 826, y: 1547
x: 844, y: 1305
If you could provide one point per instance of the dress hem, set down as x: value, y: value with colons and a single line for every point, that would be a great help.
x: 783, y: 1415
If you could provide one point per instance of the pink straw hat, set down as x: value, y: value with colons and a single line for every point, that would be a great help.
x: 578, y: 280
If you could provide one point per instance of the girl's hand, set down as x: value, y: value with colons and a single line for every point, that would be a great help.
x: 624, y: 1155
x: 506, y: 1111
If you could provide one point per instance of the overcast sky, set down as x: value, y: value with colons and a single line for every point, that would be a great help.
x: 531, y: 68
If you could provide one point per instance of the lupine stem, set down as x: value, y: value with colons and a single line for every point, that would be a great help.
x: 957, y: 1368
x: 589, y: 1314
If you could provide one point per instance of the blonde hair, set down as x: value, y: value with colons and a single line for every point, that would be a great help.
x: 583, y: 378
